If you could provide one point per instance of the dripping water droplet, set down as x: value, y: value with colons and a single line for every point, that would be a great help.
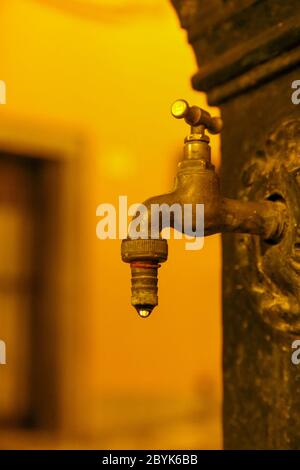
x: 144, y: 313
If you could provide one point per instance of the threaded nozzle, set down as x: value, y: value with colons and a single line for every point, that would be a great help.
x: 144, y: 257
x: 144, y: 287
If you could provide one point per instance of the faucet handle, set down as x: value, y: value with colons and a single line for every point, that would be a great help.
x: 196, y: 117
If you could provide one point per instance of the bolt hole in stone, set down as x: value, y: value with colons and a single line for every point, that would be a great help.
x: 275, y: 197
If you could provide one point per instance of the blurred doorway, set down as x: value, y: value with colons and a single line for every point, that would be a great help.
x: 28, y: 238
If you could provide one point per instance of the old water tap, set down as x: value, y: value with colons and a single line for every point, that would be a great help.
x: 196, y: 183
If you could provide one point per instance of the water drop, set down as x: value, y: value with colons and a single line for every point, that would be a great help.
x: 144, y: 313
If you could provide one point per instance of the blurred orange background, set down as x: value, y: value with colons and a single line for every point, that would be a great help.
x: 96, y: 79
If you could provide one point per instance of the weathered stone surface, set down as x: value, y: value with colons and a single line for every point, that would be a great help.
x: 248, y: 55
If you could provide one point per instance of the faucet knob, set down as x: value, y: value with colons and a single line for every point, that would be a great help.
x: 196, y: 117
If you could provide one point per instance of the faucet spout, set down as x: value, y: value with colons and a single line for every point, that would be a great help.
x: 196, y: 183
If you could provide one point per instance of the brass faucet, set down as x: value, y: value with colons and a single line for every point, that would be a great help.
x: 196, y: 183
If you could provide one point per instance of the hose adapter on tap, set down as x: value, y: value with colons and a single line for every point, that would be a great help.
x: 144, y: 256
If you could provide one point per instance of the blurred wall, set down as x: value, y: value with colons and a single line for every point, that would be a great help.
x: 112, y: 77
